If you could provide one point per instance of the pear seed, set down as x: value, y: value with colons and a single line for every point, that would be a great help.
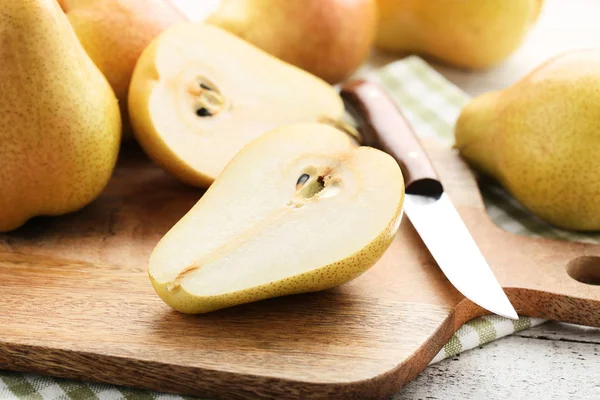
x: 302, y: 180
x: 308, y: 188
x: 203, y: 112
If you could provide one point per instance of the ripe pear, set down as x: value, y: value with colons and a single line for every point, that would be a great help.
x: 299, y: 209
x: 469, y: 34
x: 195, y: 103
x: 115, y: 32
x: 60, y: 126
x: 328, y: 38
x: 540, y: 139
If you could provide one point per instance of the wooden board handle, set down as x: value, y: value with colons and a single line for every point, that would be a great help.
x: 383, y: 126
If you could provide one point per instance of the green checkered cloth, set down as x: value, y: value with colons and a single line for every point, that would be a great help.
x: 431, y: 104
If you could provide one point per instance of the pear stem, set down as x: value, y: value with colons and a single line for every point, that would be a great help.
x: 344, y: 127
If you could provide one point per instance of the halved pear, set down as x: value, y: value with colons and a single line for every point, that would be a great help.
x: 299, y: 209
x: 199, y: 94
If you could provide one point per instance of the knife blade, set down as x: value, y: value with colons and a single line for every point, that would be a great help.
x: 427, y: 205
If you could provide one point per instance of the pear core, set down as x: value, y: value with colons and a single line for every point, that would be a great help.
x: 209, y: 101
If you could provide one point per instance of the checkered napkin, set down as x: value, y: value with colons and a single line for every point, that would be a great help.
x: 431, y: 104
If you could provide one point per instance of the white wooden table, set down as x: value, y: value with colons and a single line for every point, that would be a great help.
x: 551, y: 361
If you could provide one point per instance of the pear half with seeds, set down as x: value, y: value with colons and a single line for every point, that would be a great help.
x: 299, y: 209
x: 199, y: 94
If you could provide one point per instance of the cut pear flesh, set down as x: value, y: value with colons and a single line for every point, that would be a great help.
x: 199, y: 94
x: 299, y: 209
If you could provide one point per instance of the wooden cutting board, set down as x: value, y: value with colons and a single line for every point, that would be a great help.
x: 76, y: 301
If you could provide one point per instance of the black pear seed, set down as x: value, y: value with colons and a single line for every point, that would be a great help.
x: 302, y: 180
x: 204, y: 86
x: 203, y: 112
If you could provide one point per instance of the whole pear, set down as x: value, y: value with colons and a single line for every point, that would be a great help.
x: 328, y: 38
x: 60, y: 126
x: 115, y: 32
x: 541, y: 138
x: 468, y: 34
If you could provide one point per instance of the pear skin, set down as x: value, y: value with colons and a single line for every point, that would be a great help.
x: 328, y: 38
x: 60, y: 125
x: 467, y: 34
x: 476, y: 142
x: 540, y: 139
x: 115, y: 32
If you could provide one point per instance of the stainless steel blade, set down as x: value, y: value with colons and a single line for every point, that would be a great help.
x: 444, y: 233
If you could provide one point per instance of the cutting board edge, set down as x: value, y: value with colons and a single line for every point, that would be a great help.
x: 109, y: 369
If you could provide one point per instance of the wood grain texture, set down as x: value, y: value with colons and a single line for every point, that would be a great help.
x: 77, y: 302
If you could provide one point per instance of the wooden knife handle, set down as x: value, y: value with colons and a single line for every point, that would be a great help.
x: 383, y: 126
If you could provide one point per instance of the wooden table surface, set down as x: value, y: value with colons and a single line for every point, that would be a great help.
x: 551, y: 361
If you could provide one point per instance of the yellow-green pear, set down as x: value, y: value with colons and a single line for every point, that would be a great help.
x: 200, y: 93
x: 60, y: 126
x: 115, y: 32
x: 465, y: 33
x: 541, y: 138
x: 299, y: 209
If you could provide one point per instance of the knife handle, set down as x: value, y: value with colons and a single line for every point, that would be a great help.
x: 383, y: 126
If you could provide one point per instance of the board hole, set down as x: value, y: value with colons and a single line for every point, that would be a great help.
x: 585, y: 269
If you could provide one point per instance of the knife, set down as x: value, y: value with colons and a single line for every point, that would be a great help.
x: 426, y: 204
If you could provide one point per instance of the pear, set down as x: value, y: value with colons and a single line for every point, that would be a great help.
x: 469, y: 34
x: 115, y: 32
x: 299, y: 209
x: 199, y: 94
x: 540, y: 139
x: 60, y: 126
x: 328, y: 38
